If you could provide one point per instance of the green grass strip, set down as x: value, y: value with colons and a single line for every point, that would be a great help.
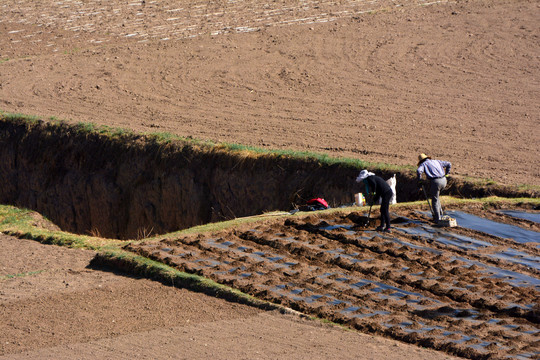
x: 319, y: 157
x: 21, y: 223
x: 12, y: 276
x: 31, y: 119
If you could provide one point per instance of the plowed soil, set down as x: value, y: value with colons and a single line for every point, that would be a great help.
x: 53, y: 306
x: 380, y: 80
x: 470, y: 293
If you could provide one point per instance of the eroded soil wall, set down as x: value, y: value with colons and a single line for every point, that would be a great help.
x: 127, y: 186
x: 121, y: 185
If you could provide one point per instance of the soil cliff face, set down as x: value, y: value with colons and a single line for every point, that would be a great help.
x: 122, y: 185
x: 127, y: 186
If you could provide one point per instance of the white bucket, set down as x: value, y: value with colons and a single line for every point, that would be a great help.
x: 359, y: 199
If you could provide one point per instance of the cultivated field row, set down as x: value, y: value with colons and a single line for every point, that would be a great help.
x: 468, y: 293
x: 167, y: 20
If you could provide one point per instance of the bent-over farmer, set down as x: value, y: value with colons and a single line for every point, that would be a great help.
x: 375, y: 188
x: 435, y: 172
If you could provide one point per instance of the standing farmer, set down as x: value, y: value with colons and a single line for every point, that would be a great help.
x: 375, y: 188
x: 436, y: 172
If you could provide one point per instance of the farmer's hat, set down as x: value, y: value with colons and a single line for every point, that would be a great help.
x: 422, y: 157
x: 363, y: 174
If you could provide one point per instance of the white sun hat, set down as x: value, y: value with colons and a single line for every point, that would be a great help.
x: 363, y: 174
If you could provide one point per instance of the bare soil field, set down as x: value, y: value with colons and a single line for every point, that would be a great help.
x: 380, y: 80
x: 469, y: 292
x: 54, y: 306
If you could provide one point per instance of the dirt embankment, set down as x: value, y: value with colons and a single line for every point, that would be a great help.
x: 129, y: 186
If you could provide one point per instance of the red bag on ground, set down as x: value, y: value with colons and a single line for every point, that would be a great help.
x: 318, y: 201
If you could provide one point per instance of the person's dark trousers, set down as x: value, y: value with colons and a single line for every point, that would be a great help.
x: 385, y: 209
